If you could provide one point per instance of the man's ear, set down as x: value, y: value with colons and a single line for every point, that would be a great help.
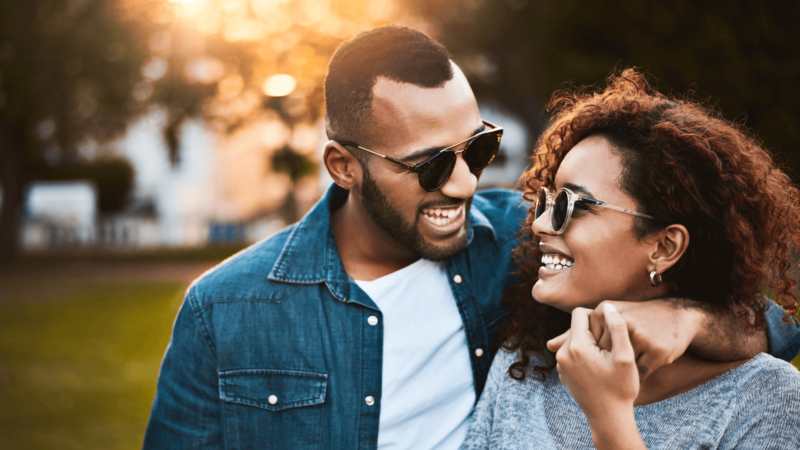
x: 342, y: 166
x: 670, y: 245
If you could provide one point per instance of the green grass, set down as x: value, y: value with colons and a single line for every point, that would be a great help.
x: 80, y: 373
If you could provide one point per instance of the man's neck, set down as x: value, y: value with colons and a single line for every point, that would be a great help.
x: 367, y: 252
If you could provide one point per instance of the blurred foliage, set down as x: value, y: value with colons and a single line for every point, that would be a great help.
x: 113, y: 177
x: 67, y: 73
x: 743, y: 57
x: 231, y: 62
x: 214, y: 58
x: 297, y: 166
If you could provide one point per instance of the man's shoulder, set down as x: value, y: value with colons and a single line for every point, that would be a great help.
x: 501, y: 198
x: 767, y: 370
x: 503, y: 208
x: 244, y: 276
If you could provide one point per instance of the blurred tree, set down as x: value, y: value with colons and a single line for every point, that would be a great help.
x: 235, y: 63
x: 67, y: 73
x: 113, y: 177
x: 744, y: 57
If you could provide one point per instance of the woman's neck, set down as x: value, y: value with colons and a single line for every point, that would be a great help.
x: 685, y: 374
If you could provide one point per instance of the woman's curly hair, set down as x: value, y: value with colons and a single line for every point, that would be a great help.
x: 683, y: 164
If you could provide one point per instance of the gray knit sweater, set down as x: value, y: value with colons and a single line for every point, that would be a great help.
x: 754, y: 406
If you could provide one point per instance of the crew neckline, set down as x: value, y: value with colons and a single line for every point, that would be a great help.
x: 406, y: 271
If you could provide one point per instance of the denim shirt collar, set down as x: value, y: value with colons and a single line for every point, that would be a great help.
x: 310, y: 255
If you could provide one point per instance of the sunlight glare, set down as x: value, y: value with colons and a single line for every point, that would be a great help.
x: 279, y: 85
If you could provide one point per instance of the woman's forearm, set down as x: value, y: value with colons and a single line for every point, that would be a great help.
x: 616, y: 430
x: 604, y: 383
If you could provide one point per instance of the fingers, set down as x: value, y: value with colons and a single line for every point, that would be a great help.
x: 651, y: 360
x: 605, y: 340
x: 621, y: 348
x: 597, y: 323
x: 646, y: 365
x: 554, y: 344
x: 580, y: 327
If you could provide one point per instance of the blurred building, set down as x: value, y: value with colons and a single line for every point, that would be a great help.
x: 59, y: 213
x: 220, y: 191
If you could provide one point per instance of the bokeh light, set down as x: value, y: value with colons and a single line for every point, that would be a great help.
x: 279, y: 85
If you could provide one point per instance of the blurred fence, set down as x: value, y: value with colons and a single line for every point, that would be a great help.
x: 138, y: 233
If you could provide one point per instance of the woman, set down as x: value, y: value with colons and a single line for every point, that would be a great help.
x: 637, y: 196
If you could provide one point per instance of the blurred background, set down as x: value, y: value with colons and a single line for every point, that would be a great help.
x: 143, y: 141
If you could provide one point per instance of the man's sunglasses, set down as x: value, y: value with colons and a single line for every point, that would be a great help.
x: 435, y: 171
x: 563, y: 203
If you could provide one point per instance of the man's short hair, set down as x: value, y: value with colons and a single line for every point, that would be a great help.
x: 397, y: 53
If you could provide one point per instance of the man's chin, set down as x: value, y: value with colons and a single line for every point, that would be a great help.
x: 446, y: 250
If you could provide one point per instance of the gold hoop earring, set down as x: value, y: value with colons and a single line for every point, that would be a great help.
x: 655, y: 278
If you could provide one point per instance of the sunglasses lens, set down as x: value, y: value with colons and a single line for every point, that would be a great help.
x: 482, y: 150
x: 541, y: 203
x: 560, y: 204
x: 435, y: 173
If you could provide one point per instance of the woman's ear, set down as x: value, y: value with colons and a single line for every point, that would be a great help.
x: 342, y: 166
x: 670, y: 245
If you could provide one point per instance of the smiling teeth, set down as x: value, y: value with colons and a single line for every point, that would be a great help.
x: 442, y: 216
x: 556, y: 262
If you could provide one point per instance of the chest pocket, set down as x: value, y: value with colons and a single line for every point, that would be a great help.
x: 273, y: 408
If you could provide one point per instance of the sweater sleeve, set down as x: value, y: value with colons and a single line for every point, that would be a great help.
x: 768, y: 416
x: 480, y: 429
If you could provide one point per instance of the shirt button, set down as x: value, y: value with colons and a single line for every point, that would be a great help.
x: 372, y: 320
x: 457, y: 279
x: 478, y: 352
x: 272, y: 399
x: 369, y: 400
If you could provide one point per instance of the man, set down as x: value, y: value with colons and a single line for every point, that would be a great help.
x: 370, y: 323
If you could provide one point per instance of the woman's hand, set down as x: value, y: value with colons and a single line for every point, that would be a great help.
x: 661, y: 331
x: 604, y: 383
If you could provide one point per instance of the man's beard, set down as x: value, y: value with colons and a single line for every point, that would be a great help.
x: 385, y: 216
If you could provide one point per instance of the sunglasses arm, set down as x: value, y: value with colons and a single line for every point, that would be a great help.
x: 603, y: 204
x: 388, y: 158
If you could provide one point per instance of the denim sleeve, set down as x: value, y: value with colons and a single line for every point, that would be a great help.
x: 784, y: 338
x: 186, y: 409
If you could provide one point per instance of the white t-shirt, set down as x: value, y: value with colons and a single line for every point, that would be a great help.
x: 427, y: 391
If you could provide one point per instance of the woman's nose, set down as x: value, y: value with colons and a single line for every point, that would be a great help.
x: 542, y: 224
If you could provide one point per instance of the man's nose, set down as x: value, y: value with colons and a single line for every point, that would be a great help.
x: 462, y: 182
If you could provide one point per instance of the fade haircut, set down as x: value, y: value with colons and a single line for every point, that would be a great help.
x: 396, y: 53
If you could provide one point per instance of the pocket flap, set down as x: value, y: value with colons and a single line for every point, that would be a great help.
x: 273, y: 390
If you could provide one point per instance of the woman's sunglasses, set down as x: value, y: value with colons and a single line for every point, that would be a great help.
x: 563, y: 203
x: 435, y: 171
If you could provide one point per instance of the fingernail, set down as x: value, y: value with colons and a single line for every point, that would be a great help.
x: 609, y: 308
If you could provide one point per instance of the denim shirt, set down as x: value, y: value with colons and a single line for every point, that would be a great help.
x: 273, y: 349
